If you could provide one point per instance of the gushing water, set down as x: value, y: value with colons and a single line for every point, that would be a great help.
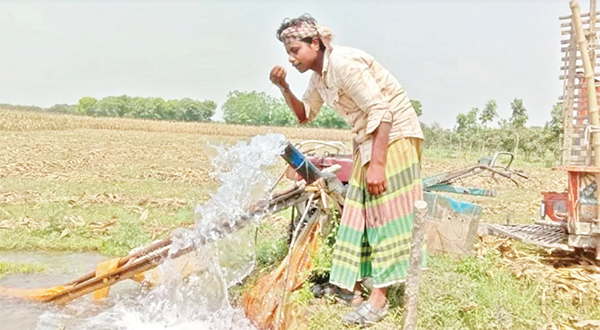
x: 199, y: 301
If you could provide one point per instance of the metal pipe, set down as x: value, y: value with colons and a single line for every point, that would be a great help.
x: 298, y: 161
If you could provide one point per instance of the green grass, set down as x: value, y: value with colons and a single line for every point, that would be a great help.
x: 467, y: 293
x: 50, y: 229
x: 462, y: 295
x: 142, y: 208
x: 18, y: 268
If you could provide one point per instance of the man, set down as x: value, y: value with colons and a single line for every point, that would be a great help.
x: 374, y: 235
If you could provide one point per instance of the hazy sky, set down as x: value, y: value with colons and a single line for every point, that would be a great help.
x: 450, y: 55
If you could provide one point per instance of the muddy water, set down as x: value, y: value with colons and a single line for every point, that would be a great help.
x: 199, y: 301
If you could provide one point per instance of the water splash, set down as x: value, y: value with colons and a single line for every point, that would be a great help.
x: 199, y: 301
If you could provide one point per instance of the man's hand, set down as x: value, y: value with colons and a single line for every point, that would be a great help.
x: 277, y: 77
x: 376, y: 183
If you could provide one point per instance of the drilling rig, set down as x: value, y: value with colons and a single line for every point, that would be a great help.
x: 570, y: 220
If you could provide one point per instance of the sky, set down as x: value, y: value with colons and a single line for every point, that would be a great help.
x: 450, y: 55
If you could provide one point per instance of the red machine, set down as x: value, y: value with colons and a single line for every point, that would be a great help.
x: 325, y: 154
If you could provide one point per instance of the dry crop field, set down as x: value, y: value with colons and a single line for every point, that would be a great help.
x: 78, y: 183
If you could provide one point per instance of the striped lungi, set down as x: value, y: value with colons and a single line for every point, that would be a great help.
x: 374, y: 236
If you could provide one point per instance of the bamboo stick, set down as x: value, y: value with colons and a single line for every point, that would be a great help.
x: 578, y: 57
x: 568, y: 24
x: 580, y: 15
x: 150, y: 257
x: 411, y: 291
x: 592, y: 52
x: 578, y: 66
x: 576, y: 85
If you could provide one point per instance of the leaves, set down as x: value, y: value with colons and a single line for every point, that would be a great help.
x: 489, y: 112
x: 519, y: 114
x: 254, y: 108
x: 417, y: 106
x: 150, y: 107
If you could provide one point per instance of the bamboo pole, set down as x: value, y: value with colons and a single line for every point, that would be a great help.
x: 592, y: 37
x: 411, y: 292
x: 568, y: 103
x: 592, y: 51
x: 592, y: 100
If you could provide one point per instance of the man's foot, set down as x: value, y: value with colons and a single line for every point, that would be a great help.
x: 348, y: 298
x: 378, y: 297
x: 366, y: 315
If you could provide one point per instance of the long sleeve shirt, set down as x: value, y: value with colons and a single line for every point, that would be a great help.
x: 365, y: 94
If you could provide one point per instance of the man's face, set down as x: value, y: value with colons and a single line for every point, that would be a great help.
x: 301, y: 54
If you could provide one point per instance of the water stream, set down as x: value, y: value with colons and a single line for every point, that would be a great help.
x: 199, y: 301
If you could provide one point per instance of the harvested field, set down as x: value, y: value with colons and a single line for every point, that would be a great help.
x: 77, y: 183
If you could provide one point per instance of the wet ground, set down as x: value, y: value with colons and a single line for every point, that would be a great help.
x: 59, y: 268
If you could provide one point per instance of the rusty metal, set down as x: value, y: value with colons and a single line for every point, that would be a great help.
x: 541, y: 235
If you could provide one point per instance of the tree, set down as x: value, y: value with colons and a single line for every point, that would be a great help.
x: 417, y: 106
x: 251, y: 108
x: 148, y: 107
x: 519, y: 114
x: 327, y: 117
x: 489, y: 112
x: 518, y: 119
x: 467, y: 122
x: 554, y: 128
x: 193, y: 110
x: 555, y: 125
x: 86, y: 105
x: 65, y: 108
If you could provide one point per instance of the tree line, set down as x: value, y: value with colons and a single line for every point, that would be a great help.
x: 472, y: 132
x: 246, y: 108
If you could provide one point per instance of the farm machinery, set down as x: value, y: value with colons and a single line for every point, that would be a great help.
x: 570, y: 220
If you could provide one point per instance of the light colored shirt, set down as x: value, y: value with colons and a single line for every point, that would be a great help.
x: 365, y: 94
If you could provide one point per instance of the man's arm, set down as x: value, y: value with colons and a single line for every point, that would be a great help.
x: 277, y: 77
x: 376, y: 182
x: 294, y: 104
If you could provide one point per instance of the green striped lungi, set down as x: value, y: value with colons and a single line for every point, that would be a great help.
x: 374, y: 236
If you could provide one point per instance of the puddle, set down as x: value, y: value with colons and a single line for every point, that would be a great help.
x: 59, y: 268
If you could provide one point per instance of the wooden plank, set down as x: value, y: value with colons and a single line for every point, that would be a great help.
x: 565, y: 49
x: 578, y: 66
x: 566, y: 32
x: 582, y: 16
x: 568, y: 24
x: 578, y: 86
x: 561, y: 77
x: 578, y: 57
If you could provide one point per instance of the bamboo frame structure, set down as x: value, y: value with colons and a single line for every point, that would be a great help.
x: 589, y: 74
x: 576, y: 118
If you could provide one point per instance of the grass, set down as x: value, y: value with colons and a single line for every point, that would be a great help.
x: 106, y: 184
x: 7, y: 268
x: 468, y: 293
